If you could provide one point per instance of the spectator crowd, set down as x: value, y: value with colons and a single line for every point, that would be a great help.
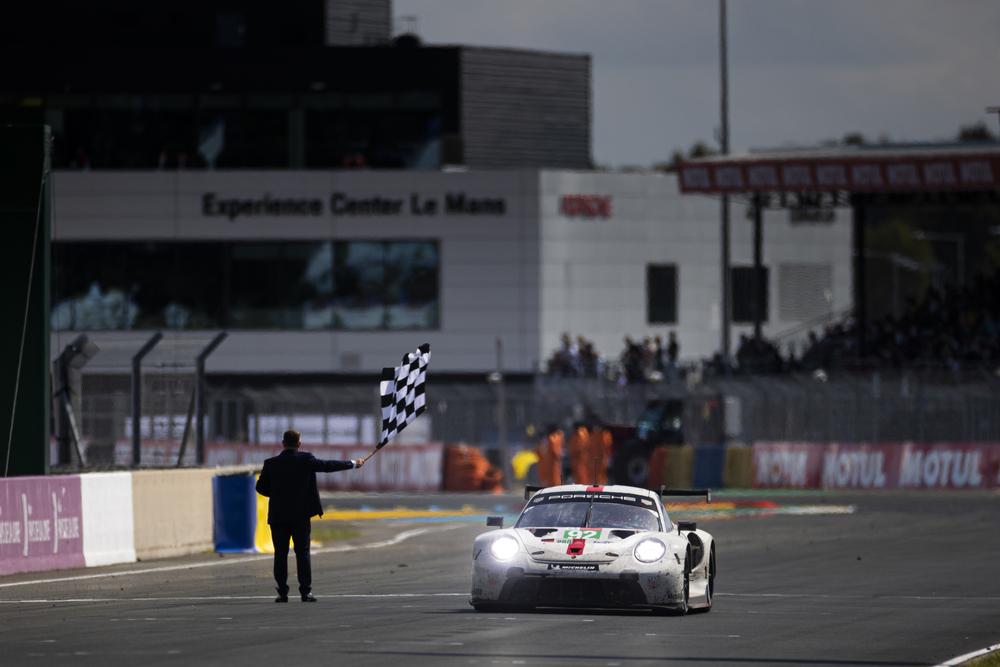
x: 953, y: 327
x: 650, y: 359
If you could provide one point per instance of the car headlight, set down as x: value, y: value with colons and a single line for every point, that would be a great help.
x: 650, y: 550
x: 504, y: 548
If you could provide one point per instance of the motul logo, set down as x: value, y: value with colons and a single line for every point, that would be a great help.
x: 781, y: 468
x: 586, y: 206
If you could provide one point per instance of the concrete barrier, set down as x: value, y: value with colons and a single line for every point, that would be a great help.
x: 172, y: 512
x: 738, y: 467
x: 678, y: 469
x: 108, y: 524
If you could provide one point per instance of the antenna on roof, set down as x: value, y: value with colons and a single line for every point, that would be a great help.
x: 994, y: 109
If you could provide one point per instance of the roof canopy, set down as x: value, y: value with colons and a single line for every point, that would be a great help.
x: 860, y: 169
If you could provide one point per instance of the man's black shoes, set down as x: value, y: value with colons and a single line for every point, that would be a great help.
x: 281, y: 598
x: 308, y: 597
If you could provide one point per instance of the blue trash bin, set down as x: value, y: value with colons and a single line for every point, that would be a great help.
x: 709, y: 462
x: 235, y: 517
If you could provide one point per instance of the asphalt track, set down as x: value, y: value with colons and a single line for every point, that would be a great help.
x: 908, y: 579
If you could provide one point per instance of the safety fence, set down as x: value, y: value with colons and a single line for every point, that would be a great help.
x: 917, y: 405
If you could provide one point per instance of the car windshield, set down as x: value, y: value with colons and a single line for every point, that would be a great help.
x: 587, y: 512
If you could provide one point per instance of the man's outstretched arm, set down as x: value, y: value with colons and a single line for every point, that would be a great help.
x: 331, y: 465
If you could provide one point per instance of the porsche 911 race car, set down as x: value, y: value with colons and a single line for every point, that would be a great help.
x: 595, y: 547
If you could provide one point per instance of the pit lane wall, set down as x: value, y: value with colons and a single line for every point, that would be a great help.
x: 92, y: 519
x: 903, y: 465
x: 71, y: 521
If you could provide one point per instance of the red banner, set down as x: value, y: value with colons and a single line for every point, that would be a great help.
x: 875, y: 173
x: 876, y: 466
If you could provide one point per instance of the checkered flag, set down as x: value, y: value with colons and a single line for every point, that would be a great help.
x: 402, y: 391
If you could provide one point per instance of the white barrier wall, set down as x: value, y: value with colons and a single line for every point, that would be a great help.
x: 108, y: 526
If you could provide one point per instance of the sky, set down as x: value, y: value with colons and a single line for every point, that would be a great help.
x: 800, y: 71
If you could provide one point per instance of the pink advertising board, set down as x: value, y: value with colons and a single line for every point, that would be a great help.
x: 41, y: 523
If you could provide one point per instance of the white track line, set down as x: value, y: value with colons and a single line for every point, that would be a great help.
x: 969, y: 656
x: 209, y: 598
x: 405, y: 535
x: 824, y: 596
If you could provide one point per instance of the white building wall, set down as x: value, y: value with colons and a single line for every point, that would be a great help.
x: 593, y: 270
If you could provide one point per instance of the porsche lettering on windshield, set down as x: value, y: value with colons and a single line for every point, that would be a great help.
x: 590, y: 510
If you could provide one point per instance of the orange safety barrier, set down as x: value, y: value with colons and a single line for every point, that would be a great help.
x: 466, y: 469
x: 580, y: 464
x: 600, y: 455
x: 657, y: 467
x: 550, y: 456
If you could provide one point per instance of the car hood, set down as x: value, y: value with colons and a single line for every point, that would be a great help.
x: 578, y: 545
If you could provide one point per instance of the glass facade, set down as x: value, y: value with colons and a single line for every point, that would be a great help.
x: 227, y: 131
x: 259, y: 285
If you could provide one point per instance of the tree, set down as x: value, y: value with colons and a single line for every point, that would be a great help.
x: 975, y: 132
x: 854, y: 139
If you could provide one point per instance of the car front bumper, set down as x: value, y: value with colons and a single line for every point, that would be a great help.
x: 530, y: 584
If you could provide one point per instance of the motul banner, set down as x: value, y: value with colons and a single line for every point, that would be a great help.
x: 874, y: 173
x: 876, y: 466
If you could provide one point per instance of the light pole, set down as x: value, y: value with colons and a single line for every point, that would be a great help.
x: 724, y: 301
x: 995, y: 110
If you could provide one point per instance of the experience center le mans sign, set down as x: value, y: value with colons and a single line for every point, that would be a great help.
x: 341, y: 204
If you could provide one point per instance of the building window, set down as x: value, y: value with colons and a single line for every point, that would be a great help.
x: 661, y: 294
x: 258, y: 285
x: 744, y: 305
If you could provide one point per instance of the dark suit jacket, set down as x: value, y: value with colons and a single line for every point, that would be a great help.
x: 289, y: 480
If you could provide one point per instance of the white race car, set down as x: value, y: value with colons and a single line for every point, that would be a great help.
x: 595, y: 547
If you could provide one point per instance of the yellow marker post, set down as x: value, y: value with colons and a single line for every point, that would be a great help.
x: 262, y: 533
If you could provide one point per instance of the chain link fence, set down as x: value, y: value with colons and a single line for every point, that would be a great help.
x: 95, y: 395
x: 925, y: 405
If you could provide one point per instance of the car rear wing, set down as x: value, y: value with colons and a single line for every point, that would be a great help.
x: 531, y: 490
x: 664, y: 492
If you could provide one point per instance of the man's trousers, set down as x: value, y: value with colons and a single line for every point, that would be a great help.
x: 299, y: 532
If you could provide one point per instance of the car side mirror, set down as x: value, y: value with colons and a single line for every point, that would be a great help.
x: 687, y: 525
x: 494, y: 521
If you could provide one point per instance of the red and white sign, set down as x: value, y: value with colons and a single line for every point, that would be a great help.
x: 876, y: 466
x: 878, y: 173
x: 585, y: 206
